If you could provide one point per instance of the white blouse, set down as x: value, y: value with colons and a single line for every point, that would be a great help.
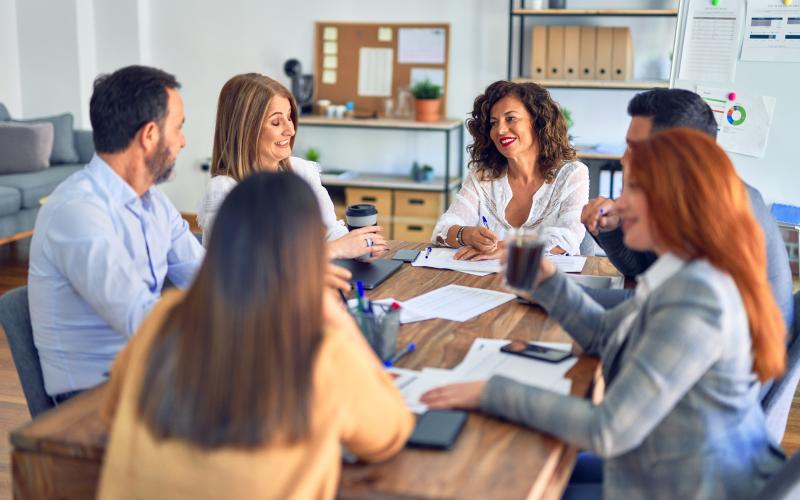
x: 219, y: 187
x: 555, y: 211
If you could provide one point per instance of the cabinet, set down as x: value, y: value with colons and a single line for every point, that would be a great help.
x: 408, y: 210
x: 518, y: 21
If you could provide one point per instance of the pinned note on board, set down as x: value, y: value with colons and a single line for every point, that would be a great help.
x: 743, y: 120
x: 711, y: 41
x: 330, y: 33
x: 771, y: 32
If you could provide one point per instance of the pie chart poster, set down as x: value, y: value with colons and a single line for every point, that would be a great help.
x: 743, y: 121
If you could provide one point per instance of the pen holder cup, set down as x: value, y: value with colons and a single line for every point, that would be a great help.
x: 379, y: 328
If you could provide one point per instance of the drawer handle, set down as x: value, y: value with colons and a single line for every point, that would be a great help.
x: 416, y: 201
x: 368, y: 198
x: 414, y: 228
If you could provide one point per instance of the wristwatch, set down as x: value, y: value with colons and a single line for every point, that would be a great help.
x: 458, y: 236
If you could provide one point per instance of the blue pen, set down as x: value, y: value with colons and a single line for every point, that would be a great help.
x: 362, y: 306
x: 427, y: 252
x: 399, y: 354
x: 485, y: 222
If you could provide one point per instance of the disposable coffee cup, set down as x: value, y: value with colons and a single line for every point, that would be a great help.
x: 361, y: 215
x: 525, y: 250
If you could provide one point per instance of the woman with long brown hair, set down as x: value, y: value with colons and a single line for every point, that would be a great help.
x: 246, y: 385
x: 257, y: 121
x: 683, y: 358
x: 523, y: 174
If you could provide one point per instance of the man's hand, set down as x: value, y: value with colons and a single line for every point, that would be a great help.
x: 600, y: 215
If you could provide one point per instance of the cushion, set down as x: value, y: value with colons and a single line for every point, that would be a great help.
x: 63, y: 142
x: 26, y: 147
x: 35, y: 186
x: 10, y: 201
x: 4, y: 114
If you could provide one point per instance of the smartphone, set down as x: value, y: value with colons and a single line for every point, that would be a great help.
x: 406, y: 255
x: 535, y: 351
x: 438, y: 429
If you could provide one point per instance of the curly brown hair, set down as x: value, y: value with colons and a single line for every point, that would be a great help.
x: 549, y: 127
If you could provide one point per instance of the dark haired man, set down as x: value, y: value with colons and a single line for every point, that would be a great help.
x: 652, y: 112
x: 106, y: 239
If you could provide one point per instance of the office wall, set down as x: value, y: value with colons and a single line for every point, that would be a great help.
x: 50, y: 65
x: 10, y: 84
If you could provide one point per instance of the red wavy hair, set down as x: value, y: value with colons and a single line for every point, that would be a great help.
x: 705, y: 214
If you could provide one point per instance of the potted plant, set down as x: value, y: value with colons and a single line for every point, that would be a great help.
x: 312, y: 155
x: 568, y: 121
x: 427, y: 96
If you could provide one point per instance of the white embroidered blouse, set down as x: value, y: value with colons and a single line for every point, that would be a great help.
x: 555, y: 211
x: 219, y: 187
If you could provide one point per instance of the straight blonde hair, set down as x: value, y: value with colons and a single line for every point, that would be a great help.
x: 241, y: 110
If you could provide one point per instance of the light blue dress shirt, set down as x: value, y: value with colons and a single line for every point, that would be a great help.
x: 98, y: 260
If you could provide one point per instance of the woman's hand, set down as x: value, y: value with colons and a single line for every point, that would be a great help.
x: 357, y: 243
x: 479, y: 238
x: 465, y: 395
x: 470, y: 253
x: 337, y: 277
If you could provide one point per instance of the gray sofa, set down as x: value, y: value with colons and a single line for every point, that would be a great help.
x: 20, y: 192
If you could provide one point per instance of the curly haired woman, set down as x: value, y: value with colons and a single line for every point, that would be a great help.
x: 523, y: 174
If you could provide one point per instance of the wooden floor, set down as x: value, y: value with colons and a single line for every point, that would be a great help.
x: 14, y: 412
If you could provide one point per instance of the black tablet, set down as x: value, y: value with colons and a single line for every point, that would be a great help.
x: 438, y: 429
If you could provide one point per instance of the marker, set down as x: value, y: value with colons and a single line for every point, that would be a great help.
x: 427, y: 252
x: 399, y: 354
x: 485, y: 222
x: 344, y: 298
x: 362, y: 306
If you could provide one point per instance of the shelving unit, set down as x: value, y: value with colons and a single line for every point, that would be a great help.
x: 522, y: 14
x: 408, y: 208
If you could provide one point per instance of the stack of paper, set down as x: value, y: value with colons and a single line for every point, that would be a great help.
x: 483, y: 361
x: 453, y: 302
x: 568, y: 263
x: 442, y: 258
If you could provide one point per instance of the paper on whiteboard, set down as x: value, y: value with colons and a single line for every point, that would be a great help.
x: 771, y: 32
x: 711, y: 41
x: 420, y: 45
x: 435, y: 76
x: 743, y: 123
x: 375, y: 72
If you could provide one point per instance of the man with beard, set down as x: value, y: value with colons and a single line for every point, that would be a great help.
x: 107, y: 238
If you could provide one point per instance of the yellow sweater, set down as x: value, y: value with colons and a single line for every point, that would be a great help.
x: 354, y: 402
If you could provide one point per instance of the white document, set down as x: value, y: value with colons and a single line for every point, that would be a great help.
x: 375, y: 72
x: 442, y: 258
x: 433, y: 75
x: 329, y: 76
x: 385, y: 34
x: 330, y: 33
x: 458, y: 303
x: 420, y: 45
x: 427, y: 379
x: 711, y: 41
x: 743, y: 123
x: 330, y: 48
x: 771, y: 31
x: 488, y: 360
x: 568, y: 263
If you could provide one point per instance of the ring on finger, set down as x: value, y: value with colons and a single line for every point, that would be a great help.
x: 369, y: 242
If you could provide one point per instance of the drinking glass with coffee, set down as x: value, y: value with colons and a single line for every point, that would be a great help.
x: 525, y: 250
x: 361, y: 215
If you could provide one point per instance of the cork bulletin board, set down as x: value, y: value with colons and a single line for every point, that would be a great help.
x: 368, y: 63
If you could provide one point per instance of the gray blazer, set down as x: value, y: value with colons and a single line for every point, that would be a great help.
x: 680, y: 417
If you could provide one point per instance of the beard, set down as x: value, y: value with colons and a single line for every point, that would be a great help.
x: 161, y: 164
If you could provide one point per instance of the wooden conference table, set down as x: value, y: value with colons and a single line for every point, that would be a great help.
x: 60, y: 453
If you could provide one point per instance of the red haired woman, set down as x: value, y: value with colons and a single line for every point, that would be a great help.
x: 683, y: 359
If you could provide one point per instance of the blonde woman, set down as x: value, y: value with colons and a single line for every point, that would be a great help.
x: 255, y: 131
